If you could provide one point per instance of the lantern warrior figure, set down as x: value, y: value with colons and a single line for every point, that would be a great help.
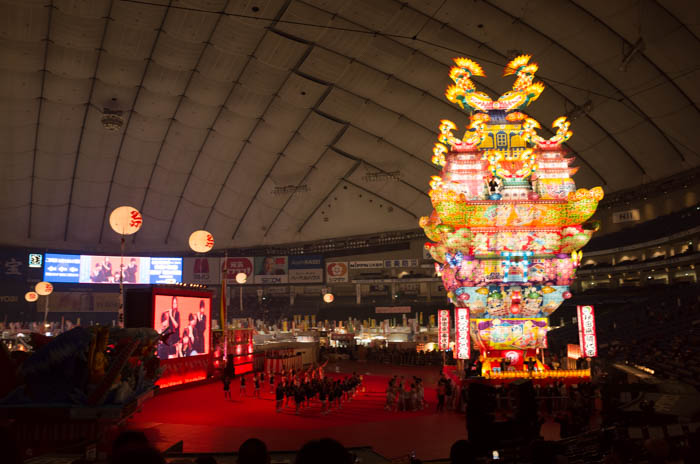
x: 508, y: 221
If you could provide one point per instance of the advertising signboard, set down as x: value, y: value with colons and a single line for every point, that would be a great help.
x: 587, y: 332
x: 443, y: 329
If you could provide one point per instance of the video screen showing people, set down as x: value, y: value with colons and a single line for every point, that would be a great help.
x: 184, y: 323
x: 105, y: 269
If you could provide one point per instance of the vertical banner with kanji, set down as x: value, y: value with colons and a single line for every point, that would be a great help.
x: 586, y: 331
x: 462, y: 346
x: 443, y: 329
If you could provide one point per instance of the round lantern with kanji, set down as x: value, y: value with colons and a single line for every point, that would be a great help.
x: 201, y: 241
x: 31, y: 296
x: 44, y: 288
x: 125, y: 220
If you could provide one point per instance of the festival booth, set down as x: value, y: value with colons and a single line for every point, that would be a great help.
x: 508, y: 222
x: 287, y: 359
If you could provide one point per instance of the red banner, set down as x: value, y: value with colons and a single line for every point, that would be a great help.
x: 586, y: 331
x: 443, y: 329
x: 462, y: 346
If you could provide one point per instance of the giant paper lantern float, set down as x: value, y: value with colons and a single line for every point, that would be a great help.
x: 125, y: 220
x: 201, y: 241
x: 508, y: 220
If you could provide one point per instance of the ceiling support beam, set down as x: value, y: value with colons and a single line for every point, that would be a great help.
x: 44, y: 70
x: 85, y: 116
x: 638, y: 49
x: 350, y: 171
x: 291, y: 138
x: 131, y: 114
x: 181, y: 99
x: 635, y: 107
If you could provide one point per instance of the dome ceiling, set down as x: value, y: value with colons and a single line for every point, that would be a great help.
x: 278, y: 121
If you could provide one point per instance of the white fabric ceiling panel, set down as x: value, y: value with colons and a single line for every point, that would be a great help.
x: 147, y: 129
x: 157, y: 212
x: 15, y: 84
x: 320, y: 130
x: 48, y: 221
x: 358, y: 143
x: 132, y: 174
x: 54, y: 166
x: 190, y: 26
x: 221, y: 66
x: 207, y: 91
x: 166, y: 182
x: 123, y: 195
x: 84, y: 8
x: 114, y: 97
x: 90, y: 194
x: 196, y: 115
x: 262, y: 78
x: 173, y: 53
x: 85, y: 223
x: 15, y: 166
x: 421, y: 70
x: 146, y: 17
x: 118, y: 71
x: 375, y: 119
x: 371, y: 14
x: 238, y: 36
x: 234, y: 126
x: 72, y: 62
x: 52, y: 192
x: 15, y: 193
x: 72, y: 31
x: 428, y: 114
x: 154, y: 105
x: 24, y: 21
x: 399, y: 96
x: 342, y: 104
x: 61, y: 115
x: 162, y: 80
x: 18, y: 112
x: 646, y: 150
x: 202, y: 190
x: 303, y: 152
x: 302, y: 92
x: 259, y: 216
x: 269, y: 138
x: 54, y: 139
x: 396, y: 192
x: 387, y: 55
x: 17, y: 139
x: 189, y: 217
x: 175, y: 158
x: 412, y: 138
x: 141, y: 152
x: 325, y: 65
x: 21, y: 56
x: 123, y: 40
x: 247, y: 102
x: 66, y: 90
x: 280, y: 52
x: 219, y: 147
x: 284, y: 116
x: 362, y: 80
x: 303, y: 13
x: 287, y: 171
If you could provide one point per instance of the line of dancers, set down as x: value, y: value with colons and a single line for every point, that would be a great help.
x: 301, y: 388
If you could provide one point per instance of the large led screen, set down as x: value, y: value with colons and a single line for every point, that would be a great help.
x: 510, y: 334
x: 89, y: 269
x: 184, y: 323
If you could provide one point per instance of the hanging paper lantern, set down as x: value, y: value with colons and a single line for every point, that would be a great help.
x: 125, y: 220
x: 44, y: 288
x: 241, y: 277
x: 566, y: 295
x: 328, y: 298
x: 201, y: 241
x: 31, y: 296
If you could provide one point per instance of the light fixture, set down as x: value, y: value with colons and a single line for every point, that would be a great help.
x: 201, y: 241
x: 125, y: 220
x: 241, y: 277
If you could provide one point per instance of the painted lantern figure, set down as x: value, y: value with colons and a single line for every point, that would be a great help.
x: 508, y: 220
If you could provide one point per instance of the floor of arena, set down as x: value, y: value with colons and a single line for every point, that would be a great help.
x: 205, y: 421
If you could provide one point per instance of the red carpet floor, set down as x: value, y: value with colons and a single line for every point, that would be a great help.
x: 207, y: 422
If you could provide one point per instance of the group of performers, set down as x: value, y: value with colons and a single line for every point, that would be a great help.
x: 402, y: 395
x: 299, y: 387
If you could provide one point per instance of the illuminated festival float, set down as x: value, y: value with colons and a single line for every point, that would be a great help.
x: 508, y: 221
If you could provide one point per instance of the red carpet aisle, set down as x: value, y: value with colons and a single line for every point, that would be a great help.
x: 205, y: 421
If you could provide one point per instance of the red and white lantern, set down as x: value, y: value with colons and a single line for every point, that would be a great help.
x: 125, y: 220
x: 462, y: 346
x: 201, y: 241
x: 443, y: 329
x: 586, y: 331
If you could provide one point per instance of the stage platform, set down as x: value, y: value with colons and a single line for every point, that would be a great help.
x: 206, y: 422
